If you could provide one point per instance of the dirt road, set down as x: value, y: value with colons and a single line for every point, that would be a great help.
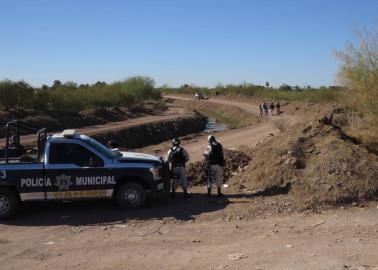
x: 230, y: 139
x: 195, y: 233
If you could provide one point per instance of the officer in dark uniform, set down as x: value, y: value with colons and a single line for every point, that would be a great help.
x: 177, y: 157
x: 214, y: 158
x: 278, y: 106
x: 113, y: 145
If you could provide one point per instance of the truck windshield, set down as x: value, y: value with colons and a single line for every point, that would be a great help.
x: 101, y: 148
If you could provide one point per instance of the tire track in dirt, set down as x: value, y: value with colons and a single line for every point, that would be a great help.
x: 231, y: 139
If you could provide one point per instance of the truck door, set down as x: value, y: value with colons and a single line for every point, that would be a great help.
x: 27, y: 178
x: 74, y: 171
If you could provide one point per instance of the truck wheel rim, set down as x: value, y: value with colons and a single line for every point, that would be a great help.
x: 4, y: 204
x: 132, y: 196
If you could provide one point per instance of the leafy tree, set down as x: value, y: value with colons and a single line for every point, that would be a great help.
x: 14, y: 94
x: 57, y: 83
x: 359, y: 73
x: 69, y: 97
x: 285, y: 87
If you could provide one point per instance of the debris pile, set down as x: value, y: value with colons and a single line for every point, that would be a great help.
x: 236, y: 161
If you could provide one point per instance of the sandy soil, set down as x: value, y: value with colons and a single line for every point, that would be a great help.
x: 237, y: 232
x: 194, y: 233
x: 231, y: 139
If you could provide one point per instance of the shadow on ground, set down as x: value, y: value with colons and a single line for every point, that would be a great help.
x: 96, y: 212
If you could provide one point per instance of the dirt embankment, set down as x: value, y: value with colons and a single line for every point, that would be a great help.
x: 361, y: 129
x: 57, y: 121
x: 152, y: 133
x: 315, y: 165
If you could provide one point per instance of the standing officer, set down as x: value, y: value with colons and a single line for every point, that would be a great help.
x: 271, y: 107
x: 278, y: 106
x: 177, y: 156
x: 215, y: 161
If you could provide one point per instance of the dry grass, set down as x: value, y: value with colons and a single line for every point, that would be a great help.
x: 233, y: 117
x: 281, y: 125
x: 364, y: 130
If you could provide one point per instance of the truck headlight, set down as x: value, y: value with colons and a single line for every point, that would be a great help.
x: 155, y: 171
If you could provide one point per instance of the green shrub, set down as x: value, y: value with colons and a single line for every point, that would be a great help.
x: 15, y: 94
x: 69, y: 97
x: 322, y: 94
x: 359, y: 74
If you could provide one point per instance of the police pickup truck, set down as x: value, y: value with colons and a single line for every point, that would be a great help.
x: 69, y: 166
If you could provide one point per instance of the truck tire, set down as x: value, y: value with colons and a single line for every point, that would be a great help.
x: 131, y: 196
x: 9, y: 203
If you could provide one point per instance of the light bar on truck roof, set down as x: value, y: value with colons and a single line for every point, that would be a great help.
x: 68, y: 133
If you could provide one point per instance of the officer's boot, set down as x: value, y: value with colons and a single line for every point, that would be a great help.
x: 186, y: 194
x: 208, y: 192
x: 173, y: 193
x: 220, y: 194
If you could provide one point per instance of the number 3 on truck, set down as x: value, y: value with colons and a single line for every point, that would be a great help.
x: 3, y: 174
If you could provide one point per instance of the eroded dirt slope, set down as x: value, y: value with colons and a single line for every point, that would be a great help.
x: 315, y: 165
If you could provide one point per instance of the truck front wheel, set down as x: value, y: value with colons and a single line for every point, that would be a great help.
x: 131, y: 196
x: 9, y: 203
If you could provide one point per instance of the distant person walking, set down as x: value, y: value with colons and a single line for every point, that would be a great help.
x: 261, y: 108
x: 214, y: 158
x: 278, y: 106
x: 265, y: 107
x: 177, y: 156
x: 271, y: 107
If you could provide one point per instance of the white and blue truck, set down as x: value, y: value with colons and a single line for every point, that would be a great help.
x: 71, y: 166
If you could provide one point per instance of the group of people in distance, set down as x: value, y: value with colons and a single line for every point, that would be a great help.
x: 265, y: 106
x: 177, y: 157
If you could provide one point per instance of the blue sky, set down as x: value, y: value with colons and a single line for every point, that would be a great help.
x: 201, y: 42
